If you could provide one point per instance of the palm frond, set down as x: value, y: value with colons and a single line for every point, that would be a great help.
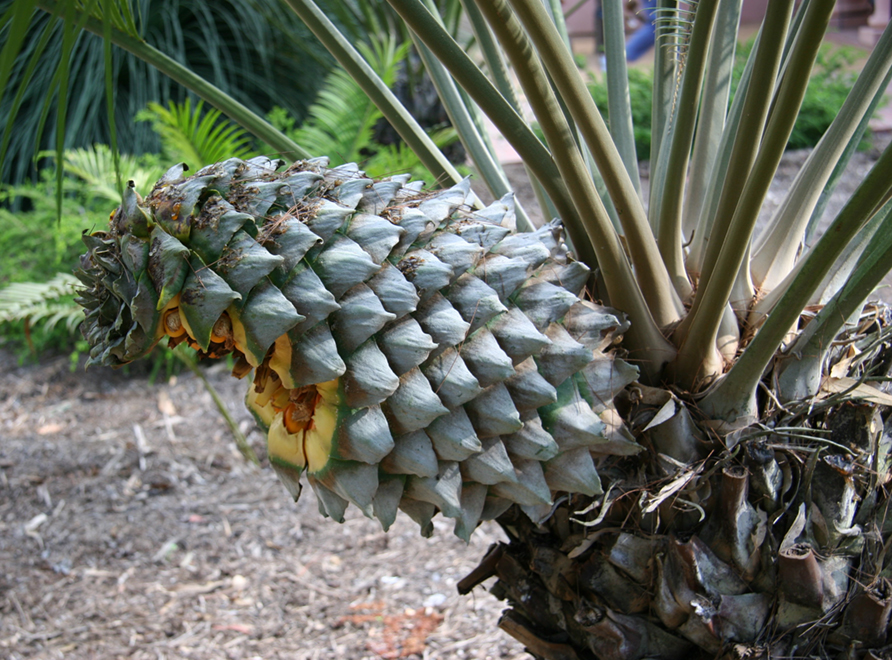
x: 244, y: 47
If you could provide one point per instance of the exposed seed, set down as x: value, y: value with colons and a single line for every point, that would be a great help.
x: 173, y: 325
x: 222, y: 329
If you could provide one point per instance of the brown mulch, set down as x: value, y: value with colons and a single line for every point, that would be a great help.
x: 131, y: 527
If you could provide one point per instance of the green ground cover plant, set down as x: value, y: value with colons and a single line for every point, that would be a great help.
x: 28, y: 258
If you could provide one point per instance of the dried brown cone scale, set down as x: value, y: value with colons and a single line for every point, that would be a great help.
x: 409, y: 352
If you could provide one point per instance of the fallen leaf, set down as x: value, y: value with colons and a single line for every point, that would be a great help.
x: 35, y: 522
x: 394, y: 636
x: 665, y: 413
x: 862, y: 391
x: 165, y: 405
x: 841, y: 368
x: 237, y: 627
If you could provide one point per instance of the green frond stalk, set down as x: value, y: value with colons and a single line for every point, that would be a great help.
x: 545, y: 107
x: 718, y: 172
x: 664, y: 303
x: 492, y: 55
x: 718, y: 289
x: 698, y: 360
x: 800, y: 370
x: 557, y: 17
x: 404, y: 124
x: 713, y: 109
x: 683, y: 120
x: 619, y: 279
x: 776, y: 250
x: 460, y: 117
x: 618, y: 100
x: 748, y: 132
x: 498, y: 71
x: 491, y: 102
x: 342, y: 119
x: 733, y: 397
x: 663, y: 91
x: 107, y: 17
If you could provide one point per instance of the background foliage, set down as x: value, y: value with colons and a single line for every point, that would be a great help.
x: 830, y: 82
x: 245, y: 47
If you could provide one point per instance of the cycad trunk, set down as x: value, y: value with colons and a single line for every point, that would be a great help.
x: 774, y: 548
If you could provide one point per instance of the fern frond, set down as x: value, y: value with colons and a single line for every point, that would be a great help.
x: 195, y: 137
x: 391, y: 159
x: 342, y: 118
x: 49, y: 301
x: 96, y: 167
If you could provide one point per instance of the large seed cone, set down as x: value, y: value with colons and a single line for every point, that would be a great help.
x: 774, y: 544
x: 408, y: 351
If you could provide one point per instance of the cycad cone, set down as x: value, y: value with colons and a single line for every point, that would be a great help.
x: 408, y: 351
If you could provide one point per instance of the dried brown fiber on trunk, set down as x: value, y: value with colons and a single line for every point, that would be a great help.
x: 778, y: 566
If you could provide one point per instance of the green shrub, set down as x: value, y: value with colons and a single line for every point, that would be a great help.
x: 37, y: 244
x: 831, y: 80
